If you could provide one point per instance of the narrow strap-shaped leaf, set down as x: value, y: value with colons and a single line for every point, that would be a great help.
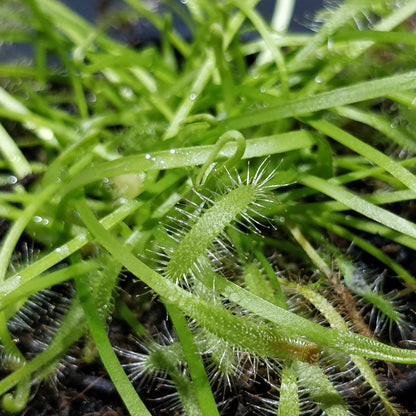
x: 195, y: 366
x: 340, y: 96
x: 360, y: 205
x: 191, y: 156
x: 122, y: 383
x: 364, y: 149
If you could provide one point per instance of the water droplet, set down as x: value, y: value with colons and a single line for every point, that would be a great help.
x: 192, y: 97
x: 63, y: 251
x: 184, y: 1
x: 45, y: 221
x: 318, y: 79
x: 12, y: 180
x: 18, y: 277
x: 147, y: 156
x: 37, y: 219
x: 92, y: 98
x: 126, y: 93
x: 172, y: 151
x: 262, y: 89
x: 106, y: 180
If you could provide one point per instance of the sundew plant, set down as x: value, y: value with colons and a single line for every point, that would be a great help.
x: 216, y: 222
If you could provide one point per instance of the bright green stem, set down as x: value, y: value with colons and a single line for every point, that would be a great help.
x: 204, y: 74
x: 222, y: 354
x: 207, y: 405
x: 126, y: 390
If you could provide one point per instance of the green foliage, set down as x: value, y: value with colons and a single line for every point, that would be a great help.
x: 233, y: 179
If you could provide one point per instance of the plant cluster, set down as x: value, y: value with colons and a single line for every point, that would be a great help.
x: 222, y: 220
